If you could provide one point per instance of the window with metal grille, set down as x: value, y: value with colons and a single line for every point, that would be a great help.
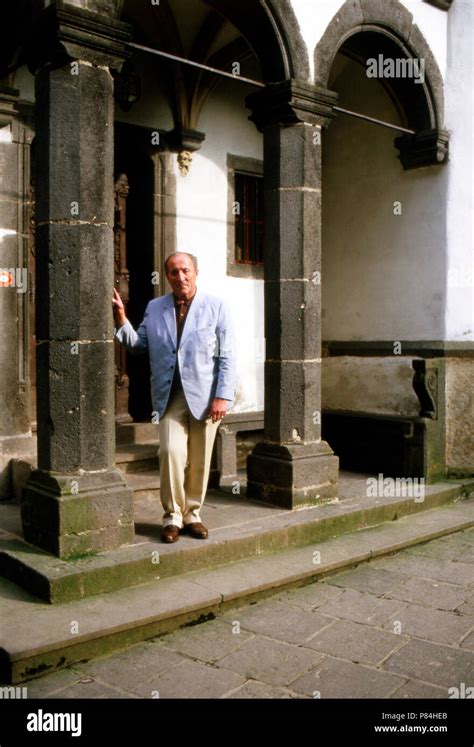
x: 248, y: 219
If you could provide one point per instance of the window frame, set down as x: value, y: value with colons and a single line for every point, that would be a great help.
x: 249, y: 167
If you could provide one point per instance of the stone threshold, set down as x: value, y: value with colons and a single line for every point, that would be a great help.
x: 38, y: 638
x: 240, y: 529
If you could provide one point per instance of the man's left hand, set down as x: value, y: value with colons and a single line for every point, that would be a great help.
x: 218, y: 409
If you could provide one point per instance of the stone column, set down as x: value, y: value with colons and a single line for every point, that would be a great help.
x: 292, y: 466
x: 15, y: 420
x: 76, y: 502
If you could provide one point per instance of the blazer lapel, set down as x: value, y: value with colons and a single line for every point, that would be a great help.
x: 169, y: 315
x: 191, y: 317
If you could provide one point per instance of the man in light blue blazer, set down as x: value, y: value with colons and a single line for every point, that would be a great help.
x: 189, y: 338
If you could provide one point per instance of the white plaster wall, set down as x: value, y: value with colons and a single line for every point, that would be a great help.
x: 314, y: 17
x: 202, y: 230
x: 383, y: 275
x: 432, y: 23
x: 460, y: 122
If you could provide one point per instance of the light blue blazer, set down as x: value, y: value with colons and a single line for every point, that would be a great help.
x: 205, y: 354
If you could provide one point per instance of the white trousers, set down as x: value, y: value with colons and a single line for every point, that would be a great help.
x: 185, y: 458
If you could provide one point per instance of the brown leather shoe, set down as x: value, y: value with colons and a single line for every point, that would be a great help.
x: 170, y: 533
x: 196, y: 530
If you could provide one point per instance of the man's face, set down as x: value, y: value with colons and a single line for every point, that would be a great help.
x: 182, y: 275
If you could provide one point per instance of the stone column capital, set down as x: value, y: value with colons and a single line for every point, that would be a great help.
x: 65, y: 33
x: 292, y: 102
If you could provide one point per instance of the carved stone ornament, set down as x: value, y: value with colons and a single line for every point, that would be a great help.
x: 185, y: 158
x: 121, y: 186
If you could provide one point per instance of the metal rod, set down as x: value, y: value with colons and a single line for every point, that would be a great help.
x: 197, y: 64
x: 374, y: 121
x: 260, y: 84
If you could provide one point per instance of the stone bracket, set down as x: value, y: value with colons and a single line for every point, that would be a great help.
x: 65, y: 33
x: 183, y: 138
x: 184, y: 141
x: 290, y: 102
x: 425, y: 148
x: 441, y: 4
x: 425, y: 384
x: 8, y: 105
x: 429, y: 383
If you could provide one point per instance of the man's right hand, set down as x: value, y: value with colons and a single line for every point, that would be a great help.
x: 119, y: 310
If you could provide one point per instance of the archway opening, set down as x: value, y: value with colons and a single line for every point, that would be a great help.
x: 384, y: 263
x: 196, y: 111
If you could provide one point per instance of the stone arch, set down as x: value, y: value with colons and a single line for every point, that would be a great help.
x: 367, y: 27
x: 272, y: 30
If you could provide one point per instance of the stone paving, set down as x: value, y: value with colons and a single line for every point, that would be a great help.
x: 400, y: 626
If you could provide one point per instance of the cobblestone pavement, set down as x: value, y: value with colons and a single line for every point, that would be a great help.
x: 401, y: 626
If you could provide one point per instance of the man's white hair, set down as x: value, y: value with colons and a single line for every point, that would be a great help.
x: 176, y: 254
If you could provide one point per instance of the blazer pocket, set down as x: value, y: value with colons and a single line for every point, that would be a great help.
x: 206, y: 327
x: 207, y: 340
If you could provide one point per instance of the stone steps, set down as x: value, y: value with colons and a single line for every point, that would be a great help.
x: 36, y: 638
x: 136, y: 433
x: 239, y: 529
x: 137, y: 457
x: 145, y: 482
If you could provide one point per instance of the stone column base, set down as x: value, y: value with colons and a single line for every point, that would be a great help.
x: 293, y: 475
x: 71, y: 515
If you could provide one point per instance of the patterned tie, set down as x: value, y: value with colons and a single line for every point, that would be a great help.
x: 182, y: 309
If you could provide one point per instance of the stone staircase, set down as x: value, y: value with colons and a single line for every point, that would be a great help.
x: 123, y: 596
